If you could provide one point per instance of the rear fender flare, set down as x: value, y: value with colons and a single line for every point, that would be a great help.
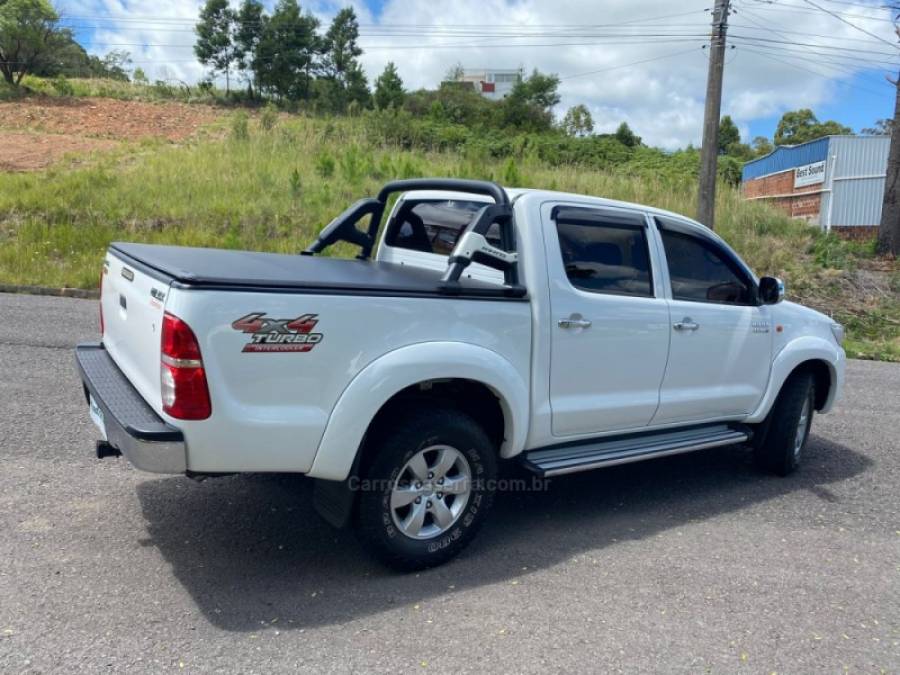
x: 379, y: 381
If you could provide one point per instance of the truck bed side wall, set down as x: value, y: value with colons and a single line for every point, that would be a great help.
x: 270, y: 410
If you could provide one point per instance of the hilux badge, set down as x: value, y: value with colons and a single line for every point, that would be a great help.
x: 278, y: 335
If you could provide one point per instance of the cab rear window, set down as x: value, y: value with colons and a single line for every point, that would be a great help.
x: 434, y: 226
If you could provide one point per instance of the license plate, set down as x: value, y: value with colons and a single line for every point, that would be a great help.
x: 97, y: 417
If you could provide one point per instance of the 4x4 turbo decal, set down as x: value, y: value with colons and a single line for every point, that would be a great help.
x: 279, y: 335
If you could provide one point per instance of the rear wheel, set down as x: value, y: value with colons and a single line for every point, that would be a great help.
x: 783, y: 436
x: 427, y: 489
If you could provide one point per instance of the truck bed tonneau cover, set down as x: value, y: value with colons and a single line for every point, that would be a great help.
x: 212, y: 268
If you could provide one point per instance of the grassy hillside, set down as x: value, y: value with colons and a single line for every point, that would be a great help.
x: 270, y: 182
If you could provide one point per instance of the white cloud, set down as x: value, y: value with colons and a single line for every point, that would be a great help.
x: 661, y: 99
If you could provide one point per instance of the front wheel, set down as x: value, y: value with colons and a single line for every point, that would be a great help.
x: 427, y: 490
x: 785, y: 433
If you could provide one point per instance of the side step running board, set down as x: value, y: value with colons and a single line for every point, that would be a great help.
x: 610, y: 451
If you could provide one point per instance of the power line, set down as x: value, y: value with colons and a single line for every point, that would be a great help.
x: 787, y: 46
x: 582, y: 31
x: 785, y: 33
x: 838, y: 68
x: 856, y: 4
x: 849, y: 23
x: 625, y: 65
x: 453, y: 46
x: 818, y: 46
x: 784, y: 7
x: 194, y: 21
x: 813, y: 72
x: 766, y: 24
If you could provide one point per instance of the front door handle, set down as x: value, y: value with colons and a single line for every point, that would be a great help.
x: 686, y: 324
x: 574, y: 321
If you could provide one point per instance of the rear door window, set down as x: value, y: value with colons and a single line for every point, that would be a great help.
x: 605, y: 252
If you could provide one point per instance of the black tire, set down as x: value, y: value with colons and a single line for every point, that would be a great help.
x: 775, y: 448
x: 379, y: 526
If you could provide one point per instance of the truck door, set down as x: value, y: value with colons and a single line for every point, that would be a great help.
x: 721, y: 347
x: 610, y: 332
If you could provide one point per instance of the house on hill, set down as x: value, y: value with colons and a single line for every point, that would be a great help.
x: 492, y: 83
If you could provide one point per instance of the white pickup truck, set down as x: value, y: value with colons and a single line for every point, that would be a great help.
x: 560, y: 331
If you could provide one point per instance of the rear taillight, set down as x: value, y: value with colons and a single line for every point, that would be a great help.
x: 181, y: 375
x: 102, y: 274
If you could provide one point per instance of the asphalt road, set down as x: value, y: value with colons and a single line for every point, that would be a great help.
x: 689, y: 564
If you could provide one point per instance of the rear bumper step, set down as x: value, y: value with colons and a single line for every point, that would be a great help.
x: 132, y: 426
x: 595, y: 454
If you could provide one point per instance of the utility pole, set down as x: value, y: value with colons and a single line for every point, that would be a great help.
x: 889, y: 229
x: 709, y: 151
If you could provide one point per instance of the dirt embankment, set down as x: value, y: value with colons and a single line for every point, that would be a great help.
x: 34, y: 133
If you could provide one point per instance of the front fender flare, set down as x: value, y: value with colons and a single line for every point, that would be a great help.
x: 375, y: 384
x: 808, y: 348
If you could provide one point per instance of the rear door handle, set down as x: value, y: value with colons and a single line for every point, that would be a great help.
x: 574, y: 322
x: 686, y: 324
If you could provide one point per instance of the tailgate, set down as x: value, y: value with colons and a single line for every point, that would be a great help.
x: 132, y: 302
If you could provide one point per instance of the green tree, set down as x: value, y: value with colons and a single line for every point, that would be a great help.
x: 356, y: 86
x: 389, y: 88
x: 115, y: 64
x: 341, y: 44
x: 800, y: 126
x: 578, y: 121
x: 68, y: 58
x: 728, y: 134
x: 215, y: 45
x: 455, y: 73
x: 28, y: 37
x: 139, y: 76
x: 249, y: 24
x: 881, y: 128
x: 762, y: 146
x: 529, y: 106
x: 626, y: 136
x: 340, y: 64
x: 286, y: 55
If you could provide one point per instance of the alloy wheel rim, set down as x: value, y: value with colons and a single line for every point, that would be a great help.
x: 431, y: 492
x: 802, y: 428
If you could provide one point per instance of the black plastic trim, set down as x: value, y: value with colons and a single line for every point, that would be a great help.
x: 501, y: 294
x: 163, y: 433
x: 478, y: 187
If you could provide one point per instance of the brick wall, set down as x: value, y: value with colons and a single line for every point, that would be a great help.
x: 806, y: 207
x: 773, y: 184
x: 803, y: 206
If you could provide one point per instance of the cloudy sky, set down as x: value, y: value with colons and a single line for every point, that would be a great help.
x: 640, y: 61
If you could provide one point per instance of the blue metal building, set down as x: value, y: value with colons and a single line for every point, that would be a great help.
x: 835, y: 182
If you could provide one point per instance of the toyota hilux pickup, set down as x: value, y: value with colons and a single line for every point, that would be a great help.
x: 559, y: 331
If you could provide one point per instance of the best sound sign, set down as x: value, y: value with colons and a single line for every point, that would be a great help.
x: 811, y: 174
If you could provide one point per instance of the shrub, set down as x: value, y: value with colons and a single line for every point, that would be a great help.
x: 62, y: 86
x: 269, y: 117
x: 325, y: 165
x: 240, y: 130
x: 296, y: 183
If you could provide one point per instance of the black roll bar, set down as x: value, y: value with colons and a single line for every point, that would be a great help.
x: 478, y: 187
x: 343, y: 228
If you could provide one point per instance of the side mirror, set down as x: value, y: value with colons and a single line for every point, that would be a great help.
x: 771, y: 290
